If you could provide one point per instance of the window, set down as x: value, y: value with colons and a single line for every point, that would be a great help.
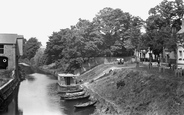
x: 1, y: 49
x: 180, y: 53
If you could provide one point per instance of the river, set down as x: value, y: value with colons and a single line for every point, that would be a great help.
x: 37, y: 95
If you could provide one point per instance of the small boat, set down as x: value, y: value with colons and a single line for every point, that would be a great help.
x: 68, y: 86
x: 67, y: 95
x: 72, y: 91
x: 87, y: 104
x: 77, y: 97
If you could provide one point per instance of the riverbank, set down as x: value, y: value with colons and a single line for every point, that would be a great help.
x: 9, y: 83
x: 5, y: 76
x: 99, y: 89
x: 103, y: 106
x: 125, y: 89
x: 137, y: 91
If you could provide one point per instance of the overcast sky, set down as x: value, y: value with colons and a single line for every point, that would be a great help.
x: 40, y: 18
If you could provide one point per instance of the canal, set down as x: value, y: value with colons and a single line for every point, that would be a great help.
x: 37, y: 95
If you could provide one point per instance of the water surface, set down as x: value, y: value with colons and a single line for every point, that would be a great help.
x: 38, y: 95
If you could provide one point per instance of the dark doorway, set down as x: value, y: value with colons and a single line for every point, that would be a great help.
x: 68, y: 81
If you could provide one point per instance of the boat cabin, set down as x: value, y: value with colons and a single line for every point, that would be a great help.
x: 67, y: 79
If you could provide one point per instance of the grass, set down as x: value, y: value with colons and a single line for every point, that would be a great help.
x: 143, y: 91
x: 89, y: 75
x: 5, y: 76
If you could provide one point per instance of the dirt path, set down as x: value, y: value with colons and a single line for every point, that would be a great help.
x: 112, y: 68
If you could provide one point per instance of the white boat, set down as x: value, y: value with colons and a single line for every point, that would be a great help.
x: 67, y: 95
x: 67, y: 80
x: 87, y: 104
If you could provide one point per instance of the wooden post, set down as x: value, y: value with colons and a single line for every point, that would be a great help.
x: 150, y: 61
x: 137, y: 62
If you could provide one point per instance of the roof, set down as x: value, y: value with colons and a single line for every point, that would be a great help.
x: 181, y: 31
x: 9, y: 38
x: 24, y: 64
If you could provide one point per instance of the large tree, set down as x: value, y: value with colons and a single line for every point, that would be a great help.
x: 117, y: 29
x: 105, y: 35
x: 30, y: 48
x: 162, y: 24
x: 87, y: 41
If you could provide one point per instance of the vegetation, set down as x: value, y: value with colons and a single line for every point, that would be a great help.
x: 111, y: 33
x: 29, y: 49
x: 139, y: 91
x: 162, y: 25
x: 5, y: 76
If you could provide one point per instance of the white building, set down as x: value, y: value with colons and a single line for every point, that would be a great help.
x: 180, y: 47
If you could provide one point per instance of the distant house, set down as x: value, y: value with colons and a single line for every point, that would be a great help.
x: 169, y: 56
x: 180, y: 47
x: 177, y: 57
x: 145, y: 55
x: 11, y: 47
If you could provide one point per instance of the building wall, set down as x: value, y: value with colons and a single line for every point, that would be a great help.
x: 180, y: 54
x: 9, y: 52
x: 172, y: 55
x: 20, y: 46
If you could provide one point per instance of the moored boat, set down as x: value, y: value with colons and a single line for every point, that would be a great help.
x: 77, y: 97
x: 67, y: 95
x: 67, y: 80
x: 87, y: 104
x: 72, y: 91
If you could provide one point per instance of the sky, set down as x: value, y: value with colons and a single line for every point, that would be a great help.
x: 40, y: 18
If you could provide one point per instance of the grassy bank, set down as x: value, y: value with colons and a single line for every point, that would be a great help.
x: 5, y: 76
x: 138, y: 91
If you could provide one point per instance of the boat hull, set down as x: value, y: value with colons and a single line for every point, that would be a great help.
x: 71, y: 91
x: 84, y: 105
x: 69, y: 95
x: 68, y: 86
x: 77, y: 98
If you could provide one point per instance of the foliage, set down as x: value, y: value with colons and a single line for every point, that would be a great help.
x: 106, y: 35
x: 162, y: 25
x: 39, y: 57
x: 116, y: 28
x: 30, y: 48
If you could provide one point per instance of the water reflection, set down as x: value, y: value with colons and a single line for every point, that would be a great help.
x: 38, y: 96
x: 30, y: 78
x: 12, y: 108
x: 71, y: 110
x: 34, y: 98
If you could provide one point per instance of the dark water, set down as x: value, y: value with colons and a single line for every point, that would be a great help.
x: 37, y: 95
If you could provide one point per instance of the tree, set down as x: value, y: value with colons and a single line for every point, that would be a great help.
x: 105, y: 35
x: 61, y: 48
x: 162, y: 24
x: 31, y: 47
x: 116, y: 29
x: 39, y: 57
x: 87, y: 42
